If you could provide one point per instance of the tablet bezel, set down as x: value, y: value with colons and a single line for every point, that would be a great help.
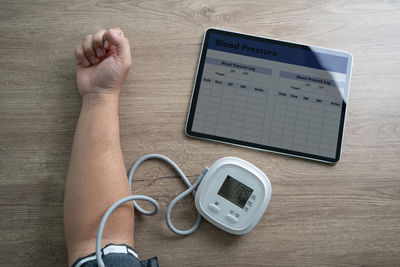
x: 196, y: 87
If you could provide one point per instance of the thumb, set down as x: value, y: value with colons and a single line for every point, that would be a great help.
x: 116, y: 38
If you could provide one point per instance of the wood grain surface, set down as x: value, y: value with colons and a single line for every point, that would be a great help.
x: 320, y: 215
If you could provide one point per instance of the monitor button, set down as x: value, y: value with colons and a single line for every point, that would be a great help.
x: 214, y: 208
x: 231, y: 218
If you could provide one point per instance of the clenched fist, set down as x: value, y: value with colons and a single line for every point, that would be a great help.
x: 104, y: 60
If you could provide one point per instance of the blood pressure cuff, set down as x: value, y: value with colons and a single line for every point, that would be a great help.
x: 116, y: 256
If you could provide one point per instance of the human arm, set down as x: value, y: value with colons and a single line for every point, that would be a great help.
x: 97, y: 175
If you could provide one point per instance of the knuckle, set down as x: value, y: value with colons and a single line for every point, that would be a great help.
x: 118, y: 29
x: 78, y: 51
x: 87, y: 39
x: 99, y: 32
x: 98, y: 36
x: 98, y: 42
x: 87, y: 46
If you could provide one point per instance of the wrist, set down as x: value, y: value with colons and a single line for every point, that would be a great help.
x: 98, y: 98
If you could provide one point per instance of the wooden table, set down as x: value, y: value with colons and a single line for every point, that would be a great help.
x: 320, y: 215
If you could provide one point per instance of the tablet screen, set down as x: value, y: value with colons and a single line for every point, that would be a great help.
x: 270, y: 95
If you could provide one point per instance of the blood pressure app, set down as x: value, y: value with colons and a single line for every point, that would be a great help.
x: 270, y: 95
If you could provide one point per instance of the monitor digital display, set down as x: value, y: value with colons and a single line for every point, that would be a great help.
x: 235, y: 191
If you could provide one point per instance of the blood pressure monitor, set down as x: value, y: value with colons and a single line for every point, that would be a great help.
x: 233, y: 195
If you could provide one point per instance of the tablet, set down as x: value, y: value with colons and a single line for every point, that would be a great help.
x: 270, y: 95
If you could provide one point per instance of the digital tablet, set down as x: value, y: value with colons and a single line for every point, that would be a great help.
x: 270, y: 95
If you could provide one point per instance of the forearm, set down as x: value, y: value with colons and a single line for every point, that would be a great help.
x: 97, y: 176
x: 96, y: 150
